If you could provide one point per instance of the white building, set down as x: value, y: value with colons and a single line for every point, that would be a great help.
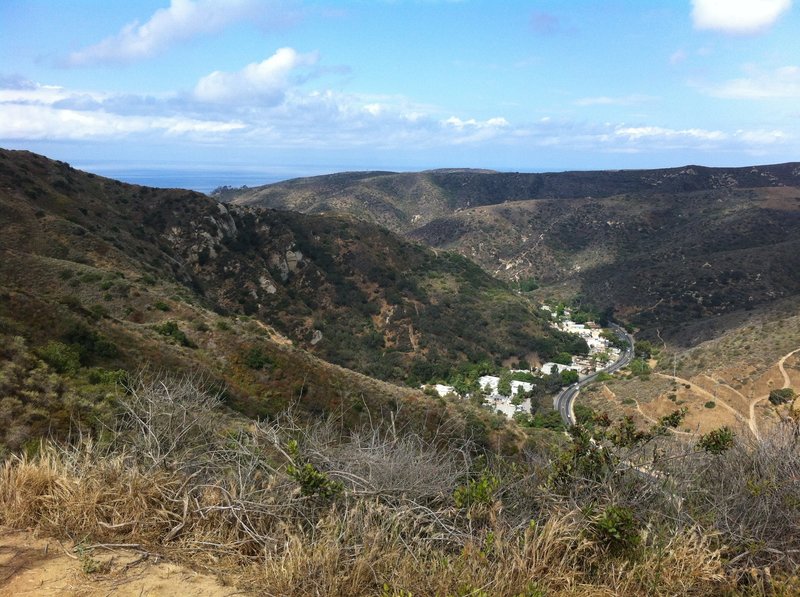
x: 547, y: 368
x: 490, y: 383
x: 442, y: 389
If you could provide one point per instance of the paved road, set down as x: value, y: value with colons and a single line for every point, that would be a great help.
x: 565, y: 401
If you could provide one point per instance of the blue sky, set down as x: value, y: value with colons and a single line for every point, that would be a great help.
x: 304, y: 87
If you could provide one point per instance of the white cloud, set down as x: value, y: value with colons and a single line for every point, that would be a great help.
x: 762, y: 137
x: 329, y: 120
x: 459, y: 124
x: 738, y: 16
x: 266, y: 81
x: 782, y: 83
x: 182, y: 20
x: 638, y: 133
x: 19, y: 121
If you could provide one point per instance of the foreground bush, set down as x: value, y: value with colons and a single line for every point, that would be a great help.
x: 289, y: 510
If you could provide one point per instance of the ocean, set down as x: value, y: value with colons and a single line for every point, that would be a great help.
x: 203, y: 180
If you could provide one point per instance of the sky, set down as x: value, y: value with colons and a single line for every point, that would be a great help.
x: 297, y: 87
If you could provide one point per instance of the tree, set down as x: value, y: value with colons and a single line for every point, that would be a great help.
x: 644, y: 349
x: 504, y: 385
x: 568, y: 376
x: 563, y: 358
x: 639, y: 367
x: 614, y: 340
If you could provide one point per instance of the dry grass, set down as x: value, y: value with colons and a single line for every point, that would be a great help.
x: 227, y: 500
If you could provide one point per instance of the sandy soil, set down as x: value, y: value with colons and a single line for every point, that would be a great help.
x: 42, y: 567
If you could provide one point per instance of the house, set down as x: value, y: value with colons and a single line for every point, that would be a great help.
x: 547, y: 368
x: 441, y: 389
x: 489, y: 383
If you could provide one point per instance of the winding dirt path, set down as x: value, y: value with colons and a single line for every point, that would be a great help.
x: 703, y: 392
x: 787, y: 382
x: 646, y: 417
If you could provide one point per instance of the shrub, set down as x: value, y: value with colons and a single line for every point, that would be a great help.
x: 476, y: 491
x: 171, y: 330
x: 63, y: 358
x: 639, y: 367
x: 98, y: 375
x: 781, y: 396
x: 312, y: 481
x: 89, y: 343
x: 256, y: 358
x: 717, y: 441
x: 617, y: 529
x: 710, y: 404
x: 161, y: 306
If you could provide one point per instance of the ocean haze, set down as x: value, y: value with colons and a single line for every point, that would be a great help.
x: 203, y: 180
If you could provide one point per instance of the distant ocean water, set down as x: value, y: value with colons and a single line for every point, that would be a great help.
x: 202, y: 180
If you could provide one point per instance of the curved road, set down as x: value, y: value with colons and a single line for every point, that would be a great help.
x: 565, y: 401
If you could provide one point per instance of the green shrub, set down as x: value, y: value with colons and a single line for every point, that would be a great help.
x: 90, y: 343
x: 100, y: 376
x: 717, y: 441
x: 256, y: 358
x: 312, y: 481
x: 161, y: 306
x: 781, y: 396
x: 639, y: 367
x: 617, y: 529
x: 63, y: 358
x: 710, y: 404
x: 476, y: 491
x: 171, y: 330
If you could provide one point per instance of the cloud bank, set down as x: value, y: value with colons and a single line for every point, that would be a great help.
x: 742, y: 17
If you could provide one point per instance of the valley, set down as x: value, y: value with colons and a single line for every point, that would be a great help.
x: 286, y: 384
x: 420, y: 298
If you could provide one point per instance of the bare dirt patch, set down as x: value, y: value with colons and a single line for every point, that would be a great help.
x: 42, y: 567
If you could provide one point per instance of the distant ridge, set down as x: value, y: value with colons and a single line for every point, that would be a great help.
x: 664, y: 246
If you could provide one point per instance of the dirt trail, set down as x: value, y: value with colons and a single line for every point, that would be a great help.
x: 646, y: 417
x: 703, y: 392
x: 36, y: 567
x: 787, y: 382
x: 722, y: 385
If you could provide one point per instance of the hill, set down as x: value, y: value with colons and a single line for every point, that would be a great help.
x: 333, y: 482
x: 662, y: 247
x: 281, y: 309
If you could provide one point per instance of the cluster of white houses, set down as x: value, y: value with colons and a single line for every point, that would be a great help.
x: 600, y: 353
